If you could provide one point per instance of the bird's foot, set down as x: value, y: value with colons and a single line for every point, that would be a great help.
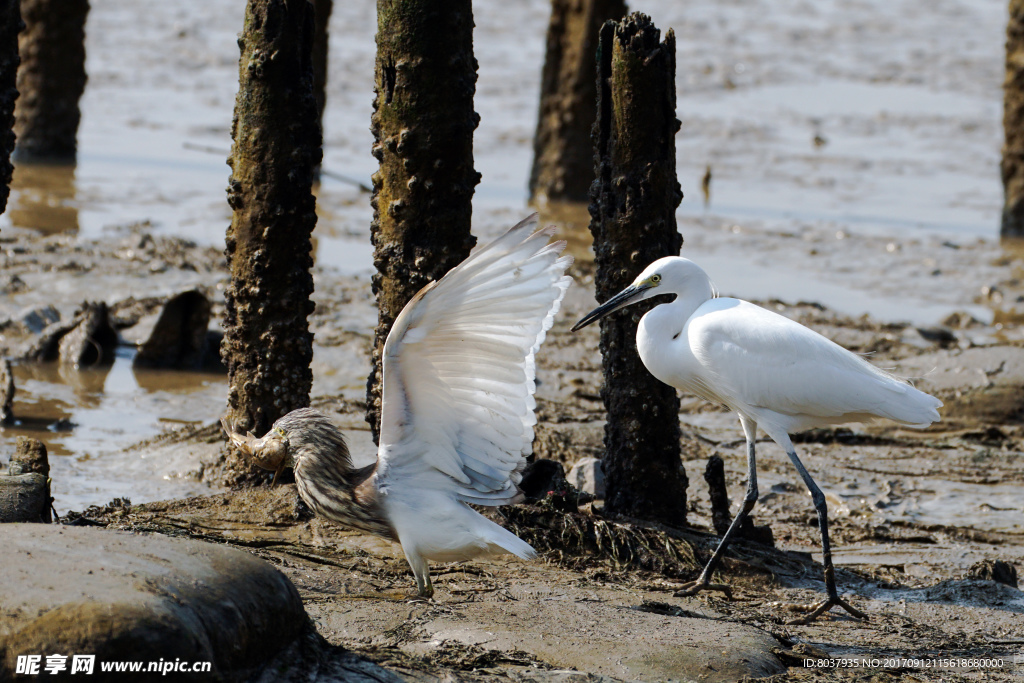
x: 817, y: 609
x: 694, y: 587
x: 424, y: 593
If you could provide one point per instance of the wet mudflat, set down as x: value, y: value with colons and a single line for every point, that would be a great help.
x: 854, y: 150
x: 912, y: 512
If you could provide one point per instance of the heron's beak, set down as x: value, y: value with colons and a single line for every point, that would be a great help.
x: 243, y: 443
x: 269, y: 453
x: 630, y: 295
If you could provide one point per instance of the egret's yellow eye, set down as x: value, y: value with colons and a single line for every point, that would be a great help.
x: 280, y: 431
x: 655, y: 279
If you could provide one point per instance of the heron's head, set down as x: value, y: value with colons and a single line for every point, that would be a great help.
x: 668, y: 275
x: 300, y: 435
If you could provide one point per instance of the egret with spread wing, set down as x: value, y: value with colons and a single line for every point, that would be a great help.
x: 773, y: 372
x: 457, y: 410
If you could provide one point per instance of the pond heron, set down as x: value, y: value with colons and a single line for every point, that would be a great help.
x: 457, y: 411
x: 773, y: 372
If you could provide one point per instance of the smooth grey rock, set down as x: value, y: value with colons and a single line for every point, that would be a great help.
x: 587, y: 476
x: 125, y: 596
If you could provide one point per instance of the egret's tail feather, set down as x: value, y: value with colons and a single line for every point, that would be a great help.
x: 913, y: 408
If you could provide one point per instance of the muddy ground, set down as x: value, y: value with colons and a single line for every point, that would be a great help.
x: 911, y: 511
x: 855, y: 151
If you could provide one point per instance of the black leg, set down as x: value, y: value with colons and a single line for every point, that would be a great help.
x: 703, y: 582
x: 832, y: 599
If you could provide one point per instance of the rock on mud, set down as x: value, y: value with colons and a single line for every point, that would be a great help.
x: 87, y: 339
x: 179, y: 337
x: 994, y: 570
x: 542, y: 477
x: 36, y: 319
x: 124, y: 596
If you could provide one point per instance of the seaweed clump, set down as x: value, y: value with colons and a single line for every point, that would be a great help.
x: 556, y: 528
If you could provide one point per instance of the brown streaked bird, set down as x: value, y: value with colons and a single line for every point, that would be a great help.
x: 457, y: 411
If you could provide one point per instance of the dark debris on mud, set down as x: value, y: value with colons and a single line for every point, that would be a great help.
x: 454, y: 656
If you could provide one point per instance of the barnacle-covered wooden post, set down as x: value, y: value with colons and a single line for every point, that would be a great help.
x: 51, y: 79
x: 321, y: 41
x: 422, y: 123
x: 563, y: 158
x: 1013, y: 125
x: 10, y: 25
x: 633, y: 203
x: 267, y: 344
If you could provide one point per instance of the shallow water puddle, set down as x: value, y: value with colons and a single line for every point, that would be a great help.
x: 88, y: 418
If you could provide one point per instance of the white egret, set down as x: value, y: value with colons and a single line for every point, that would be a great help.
x: 457, y: 412
x: 773, y: 372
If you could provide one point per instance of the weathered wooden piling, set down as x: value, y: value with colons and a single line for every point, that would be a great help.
x: 267, y: 344
x: 10, y: 26
x: 632, y: 208
x: 721, y: 516
x: 7, y: 391
x: 25, y: 487
x: 51, y: 79
x: 422, y: 123
x: 563, y: 158
x: 321, y: 35
x: 1012, y: 166
x: 714, y: 475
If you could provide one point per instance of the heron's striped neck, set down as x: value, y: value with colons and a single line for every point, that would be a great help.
x: 324, y: 474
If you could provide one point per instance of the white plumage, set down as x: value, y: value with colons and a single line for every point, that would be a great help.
x: 457, y: 418
x: 769, y: 368
x: 774, y: 372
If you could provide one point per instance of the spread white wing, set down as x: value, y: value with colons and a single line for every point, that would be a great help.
x: 459, y: 370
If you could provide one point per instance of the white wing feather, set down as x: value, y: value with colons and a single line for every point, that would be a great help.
x: 459, y: 370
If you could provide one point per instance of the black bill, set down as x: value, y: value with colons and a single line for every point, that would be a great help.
x: 630, y: 295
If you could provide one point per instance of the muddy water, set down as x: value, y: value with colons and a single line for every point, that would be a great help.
x: 853, y: 146
x: 88, y: 418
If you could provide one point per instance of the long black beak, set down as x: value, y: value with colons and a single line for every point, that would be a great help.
x: 630, y: 295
